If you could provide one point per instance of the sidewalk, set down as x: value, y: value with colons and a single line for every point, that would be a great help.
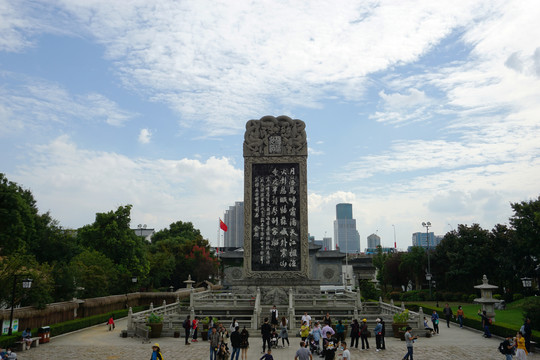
x: 98, y: 343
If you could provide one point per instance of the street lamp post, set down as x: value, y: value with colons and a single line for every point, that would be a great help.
x: 26, y: 284
x: 427, y: 225
x: 527, y: 284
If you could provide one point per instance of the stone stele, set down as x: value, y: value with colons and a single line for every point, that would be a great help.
x: 276, y: 249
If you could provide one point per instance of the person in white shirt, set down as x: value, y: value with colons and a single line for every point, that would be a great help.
x: 346, y: 353
x: 306, y: 318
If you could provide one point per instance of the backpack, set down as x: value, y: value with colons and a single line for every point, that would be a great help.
x: 185, y: 325
x: 502, y: 348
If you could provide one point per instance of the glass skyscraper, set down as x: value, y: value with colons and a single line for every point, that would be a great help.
x: 345, y: 233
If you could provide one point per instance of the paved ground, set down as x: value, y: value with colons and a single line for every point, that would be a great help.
x: 98, y: 343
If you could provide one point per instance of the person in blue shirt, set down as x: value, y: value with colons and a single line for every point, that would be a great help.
x: 378, y: 334
x: 27, y: 337
x: 435, y: 321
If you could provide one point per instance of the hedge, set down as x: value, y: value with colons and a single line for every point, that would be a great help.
x: 495, y: 329
x: 71, y: 325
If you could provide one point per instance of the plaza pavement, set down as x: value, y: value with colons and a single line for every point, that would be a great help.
x: 98, y: 343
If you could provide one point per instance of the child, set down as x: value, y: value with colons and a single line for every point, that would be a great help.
x: 346, y: 353
x: 223, y: 353
x: 268, y: 355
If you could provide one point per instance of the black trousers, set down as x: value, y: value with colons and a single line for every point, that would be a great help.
x: 266, y: 340
x: 364, y: 338
x: 354, y: 341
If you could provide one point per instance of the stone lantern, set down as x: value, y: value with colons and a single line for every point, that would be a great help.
x: 189, y: 282
x: 486, y: 297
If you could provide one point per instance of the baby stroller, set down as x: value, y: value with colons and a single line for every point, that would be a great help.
x: 313, y: 345
x: 274, y: 340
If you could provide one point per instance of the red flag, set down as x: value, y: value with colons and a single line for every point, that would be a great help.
x: 222, y: 225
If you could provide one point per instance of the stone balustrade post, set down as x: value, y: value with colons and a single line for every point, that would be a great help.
x: 421, y: 318
x: 130, y: 326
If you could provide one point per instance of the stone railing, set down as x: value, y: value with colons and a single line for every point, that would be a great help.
x: 415, y: 318
x: 171, y: 319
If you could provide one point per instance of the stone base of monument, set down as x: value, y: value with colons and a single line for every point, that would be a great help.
x: 275, y: 291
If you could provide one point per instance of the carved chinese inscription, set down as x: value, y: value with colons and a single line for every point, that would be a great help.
x: 275, y: 219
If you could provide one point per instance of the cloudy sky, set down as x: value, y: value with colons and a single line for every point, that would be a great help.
x: 415, y: 110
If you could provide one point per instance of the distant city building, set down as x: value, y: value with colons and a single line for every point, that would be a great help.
x: 327, y: 244
x: 373, y: 241
x: 345, y: 233
x: 234, y: 219
x: 422, y: 238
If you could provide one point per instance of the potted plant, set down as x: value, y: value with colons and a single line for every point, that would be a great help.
x: 402, y: 332
x: 400, y: 322
x: 155, y: 322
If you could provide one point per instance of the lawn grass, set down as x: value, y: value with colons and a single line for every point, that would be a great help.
x: 511, y: 317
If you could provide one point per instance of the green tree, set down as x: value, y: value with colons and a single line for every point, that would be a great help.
x: 111, y: 235
x: 462, y: 258
x: 526, y: 223
x: 191, y: 253
x: 25, y: 266
x: 413, y: 264
x: 94, y: 274
x: 18, y: 214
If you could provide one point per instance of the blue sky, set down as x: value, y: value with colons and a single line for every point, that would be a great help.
x: 415, y: 110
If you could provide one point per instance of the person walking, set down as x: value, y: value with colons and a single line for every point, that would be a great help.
x: 378, y: 330
x: 266, y: 331
x: 317, y: 335
x: 284, y: 334
x: 460, y: 315
x: 383, y: 334
x: 409, y: 339
x: 527, y: 333
x: 110, y: 323
x: 435, y: 321
x: 521, y: 351
x: 329, y: 346
x: 268, y: 355
x: 244, y: 344
x: 236, y: 342
x: 507, y: 348
x: 364, y: 334
x: 447, y: 311
x: 304, y: 331
x: 274, y: 316
x: 355, y: 333
x: 214, y: 343
x: 194, y: 326
x: 485, y: 323
x: 156, y: 352
x: 306, y: 318
x: 303, y: 353
x: 346, y: 353
x: 187, y: 327
x: 340, y: 331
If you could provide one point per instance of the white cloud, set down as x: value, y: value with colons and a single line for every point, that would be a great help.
x: 64, y: 177
x: 36, y: 104
x: 144, y: 136
x: 217, y: 62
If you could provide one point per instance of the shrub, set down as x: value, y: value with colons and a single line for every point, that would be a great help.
x: 531, y: 309
x: 394, y: 295
x: 465, y: 298
x: 472, y: 297
x: 497, y: 297
x: 402, y: 317
x: 517, y: 296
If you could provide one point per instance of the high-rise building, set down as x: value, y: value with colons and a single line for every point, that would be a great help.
x: 234, y: 219
x: 345, y: 233
x: 373, y: 241
x: 422, y: 238
x: 327, y: 244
